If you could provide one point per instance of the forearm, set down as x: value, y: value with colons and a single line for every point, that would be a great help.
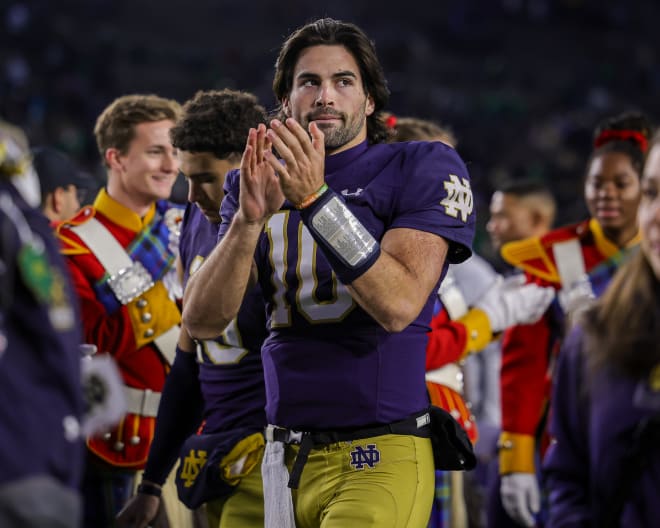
x: 390, y: 279
x: 395, y: 289
x: 179, y: 413
x: 215, y: 291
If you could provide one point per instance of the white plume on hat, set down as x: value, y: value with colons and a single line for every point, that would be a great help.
x: 15, y: 163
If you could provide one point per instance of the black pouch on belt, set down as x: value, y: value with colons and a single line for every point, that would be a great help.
x: 452, y: 449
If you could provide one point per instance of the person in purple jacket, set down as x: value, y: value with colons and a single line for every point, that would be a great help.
x: 603, y: 467
x: 349, y: 238
x: 41, y: 401
x: 219, y: 380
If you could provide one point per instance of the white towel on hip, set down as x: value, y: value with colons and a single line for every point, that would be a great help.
x: 278, y: 504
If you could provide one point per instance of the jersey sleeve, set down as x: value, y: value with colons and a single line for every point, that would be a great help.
x: 229, y: 204
x: 185, y: 234
x: 436, y: 197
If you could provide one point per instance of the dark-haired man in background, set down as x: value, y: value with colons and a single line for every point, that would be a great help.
x: 62, y: 183
x: 218, y: 380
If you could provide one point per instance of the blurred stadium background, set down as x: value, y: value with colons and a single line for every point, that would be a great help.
x: 521, y: 82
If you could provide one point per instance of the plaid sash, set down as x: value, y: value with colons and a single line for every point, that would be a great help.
x: 150, y: 248
x: 601, y: 275
x: 441, y: 510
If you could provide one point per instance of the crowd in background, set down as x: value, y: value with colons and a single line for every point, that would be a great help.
x: 521, y: 86
x: 520, y: 81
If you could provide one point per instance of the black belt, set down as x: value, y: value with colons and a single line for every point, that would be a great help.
x: 416, y: 425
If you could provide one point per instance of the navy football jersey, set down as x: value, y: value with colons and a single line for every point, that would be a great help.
x: 327, y: 363
x: 230, y: 372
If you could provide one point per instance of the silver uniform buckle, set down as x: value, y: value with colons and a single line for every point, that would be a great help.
x: 130, y: 282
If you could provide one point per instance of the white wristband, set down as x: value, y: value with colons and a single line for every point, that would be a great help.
x: 343, y: 232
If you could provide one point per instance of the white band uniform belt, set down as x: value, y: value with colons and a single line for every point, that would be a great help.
x: 143, y: 402
x: 128, y: 279
x: 570, y: 262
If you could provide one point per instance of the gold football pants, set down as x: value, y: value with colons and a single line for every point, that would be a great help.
x: 381, y: 482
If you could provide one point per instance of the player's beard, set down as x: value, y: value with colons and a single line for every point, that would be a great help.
x: 338, y: 136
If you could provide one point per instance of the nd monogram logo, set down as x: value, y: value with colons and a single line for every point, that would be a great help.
x: 459, y: 197
x: 192, y: 464
x: 369, y: 456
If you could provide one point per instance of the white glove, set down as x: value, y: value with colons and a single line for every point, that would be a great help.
x: 577, y: 297
x: 103, y: 392
x: 173, y: 220
x: 173, y: 285
x: 512, y: 302
x: 521, y: 497
x: 173, y: 238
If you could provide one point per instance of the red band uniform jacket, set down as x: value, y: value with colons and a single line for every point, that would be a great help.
x: 127, y: 332
x: 529, y: 351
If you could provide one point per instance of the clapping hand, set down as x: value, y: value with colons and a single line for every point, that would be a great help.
x: 303, y: 154
x: 261, y: 194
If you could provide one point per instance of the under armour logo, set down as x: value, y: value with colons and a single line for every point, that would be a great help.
x: 358, y: 192
x: 192, y: 465
x: 459, y: 197
x: 369, y: 456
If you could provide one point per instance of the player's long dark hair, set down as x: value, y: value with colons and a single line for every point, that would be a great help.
x: 330, y: 32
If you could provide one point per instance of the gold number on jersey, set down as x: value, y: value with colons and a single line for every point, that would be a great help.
x: 228, y: 348
x: 307, y: 302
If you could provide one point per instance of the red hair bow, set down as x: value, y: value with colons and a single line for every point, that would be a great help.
x: 622, y: 135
